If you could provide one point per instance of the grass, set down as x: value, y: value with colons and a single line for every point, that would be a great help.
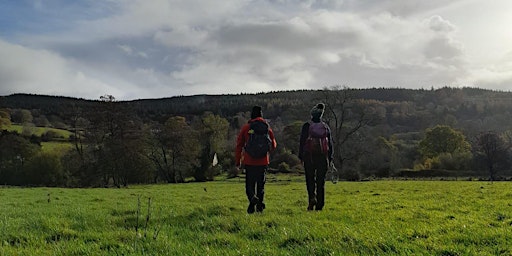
x: 38, y: 131
x: 60, y: 145
x: 56, y: 147
x: 360, y: 218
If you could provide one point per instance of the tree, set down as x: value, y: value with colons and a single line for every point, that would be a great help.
x: 291, y: 135
x: 79, y: 162
x: 121, y: 145
x: 45, y: 169
x: 444, y: 148
x: 41, y: 121
x: 213, y: 131
x: 79, y: 126
x: 347, y: 121
x: 492, y: 149
x: 114, y: 152
x: 26, y: 116
x: 443, y: 139
x: 383, y: 160
x: 173, y: 149
x: 15, y: 152
x: 5, y: 118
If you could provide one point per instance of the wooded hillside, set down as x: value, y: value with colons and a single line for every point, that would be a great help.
x: 378, y: 132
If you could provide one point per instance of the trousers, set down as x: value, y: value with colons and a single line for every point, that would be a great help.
x: 255, y: 181
x: 315, y: 167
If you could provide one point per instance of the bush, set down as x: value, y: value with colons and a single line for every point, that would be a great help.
x: 449, y: 161
x: 286, y: 157
x: 45, y: 169
x: 50, y: 135
x: 351, y: 175
x: 283, y: 167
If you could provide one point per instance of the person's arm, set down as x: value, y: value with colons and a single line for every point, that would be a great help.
x: 240, y: 143
x: 331, y: 148
x: 303, y: 136
x: 272, y: 138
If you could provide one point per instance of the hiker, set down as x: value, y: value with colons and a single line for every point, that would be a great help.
x: 254, y: 143
x: 316, y: 155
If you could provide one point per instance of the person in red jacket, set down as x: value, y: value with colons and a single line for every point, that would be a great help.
x: 255, y: 163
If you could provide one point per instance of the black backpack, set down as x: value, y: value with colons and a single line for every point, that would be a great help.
x: 259, y: 142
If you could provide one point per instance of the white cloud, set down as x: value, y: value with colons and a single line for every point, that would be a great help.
x: 437, y: 23
x: 170, y: 47
x: 300, y: 52
x: 139, y: 17
x: 497, y: 76
x: 44, y: 72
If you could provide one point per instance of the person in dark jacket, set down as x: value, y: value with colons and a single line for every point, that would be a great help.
x: 255, y: 168
x: 315, y: 163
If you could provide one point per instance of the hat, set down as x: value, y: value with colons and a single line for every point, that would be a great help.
x: 256, y: 112
x: 317, y: 111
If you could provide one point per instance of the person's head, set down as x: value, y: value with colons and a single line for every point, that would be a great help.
x: 317, y: 111
x: 256, y: 112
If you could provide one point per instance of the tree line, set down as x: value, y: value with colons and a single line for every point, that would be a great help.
x: 377, y: 132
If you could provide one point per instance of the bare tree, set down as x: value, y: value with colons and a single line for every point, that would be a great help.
x: 115, y: 138
x: 213, y: 131
x: 173, y: 149
x: 493, y: 150
x: 346, y: 120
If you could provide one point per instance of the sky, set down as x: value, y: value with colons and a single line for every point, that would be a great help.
x: 140, y: 49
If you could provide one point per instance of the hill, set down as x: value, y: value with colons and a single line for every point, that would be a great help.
x: 402, y: 110
x: 377, y: 132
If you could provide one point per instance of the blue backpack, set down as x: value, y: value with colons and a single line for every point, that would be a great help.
x: 259, y: 142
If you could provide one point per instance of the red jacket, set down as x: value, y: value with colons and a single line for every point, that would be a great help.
x: 241, y: 157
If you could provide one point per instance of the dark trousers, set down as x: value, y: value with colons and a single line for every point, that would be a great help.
x: 255, y: 181
x: 316, y: 167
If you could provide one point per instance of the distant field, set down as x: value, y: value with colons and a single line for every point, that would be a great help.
x: 360, y: 218
x: 61, y: 145
x: 41, y: 130
x: 56, y: 146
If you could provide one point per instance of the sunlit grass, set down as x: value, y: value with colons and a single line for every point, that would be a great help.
x: 56, y: 147
x: 38, y: 131
x: 360, y: 218
x: 60, y: 146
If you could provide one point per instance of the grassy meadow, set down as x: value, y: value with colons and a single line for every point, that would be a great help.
x: 60, y: 146
x: 360, y: 218
x: 56, y: 147
x: 38, y: 131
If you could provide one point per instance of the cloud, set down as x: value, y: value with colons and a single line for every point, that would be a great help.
x: 30, y: 71
x: 497, y: 76
x: 136, y: 50
x: 325, y: 44
x: 399, y: 8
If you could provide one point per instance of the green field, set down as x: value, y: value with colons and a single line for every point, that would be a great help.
x: 59, y: 146
x: 38, y: 131
x: 360, y: 218
x: 56, y: 147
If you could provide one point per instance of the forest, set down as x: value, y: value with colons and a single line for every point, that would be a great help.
x: 377, y: 133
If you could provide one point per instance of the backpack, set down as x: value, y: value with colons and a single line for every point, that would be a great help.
x: 259, y: 142
x: 317, y: 142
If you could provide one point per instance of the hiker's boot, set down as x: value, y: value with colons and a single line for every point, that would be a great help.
x: 312, y: 204
x: 260, y: 207
x: 252, y: 205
